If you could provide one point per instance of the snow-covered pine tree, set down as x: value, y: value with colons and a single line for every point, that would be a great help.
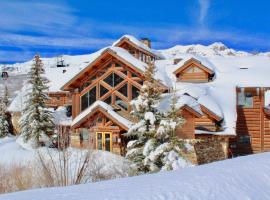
x: 166, y: 152
x: 4, y: 126
x: 144, y: 109
x: 37, y: 121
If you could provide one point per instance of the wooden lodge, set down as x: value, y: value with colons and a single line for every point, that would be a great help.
x: 99, y: 96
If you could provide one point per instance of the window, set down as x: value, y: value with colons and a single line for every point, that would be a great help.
x: 113, y: 79
x: 124, y: 90
x: 135, y: 92
x: 121, y: 103
x: 84, y: 134
x: 84, y: 101
x: 193, y: 69
x: 245, y: 100
x: 244, y: 139
x: 88, y: 99
x: 108, y: 100
x: 103, y: 91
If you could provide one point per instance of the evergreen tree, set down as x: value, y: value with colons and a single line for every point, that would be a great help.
x: 166, y: 154
x: 146, y: 113
x: 4, y: 126
x: 37, y: 121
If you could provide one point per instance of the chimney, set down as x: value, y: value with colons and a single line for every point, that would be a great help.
x: 176, y: 60
x: 146, y: 41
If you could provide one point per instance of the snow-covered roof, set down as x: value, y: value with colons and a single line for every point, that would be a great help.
x: 122, y: 53
x: 182, y: 100
x: 109, y: 109
x: 138, y: 43
x: 60, y: 117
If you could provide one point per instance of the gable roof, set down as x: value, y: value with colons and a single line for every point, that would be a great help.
x: 107, y: 110
x: 185, y: 63
x: 117, y: 52
x: 137, y: 44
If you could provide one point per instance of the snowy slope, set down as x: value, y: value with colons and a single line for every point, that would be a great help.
x: 243, y: 178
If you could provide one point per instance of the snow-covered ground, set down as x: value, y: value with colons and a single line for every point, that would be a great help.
x: 242, y: 178
x: 13, y: 153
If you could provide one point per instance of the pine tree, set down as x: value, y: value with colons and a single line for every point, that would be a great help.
x: 37, y: 121
x: 4, y: 126
x: 166, y: 153
x: 146, y: 113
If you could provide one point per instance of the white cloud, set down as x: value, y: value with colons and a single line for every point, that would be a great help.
x: 31, y: 25
x: 204, y: 7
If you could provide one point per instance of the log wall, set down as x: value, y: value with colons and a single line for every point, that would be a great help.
x: 252, y: 122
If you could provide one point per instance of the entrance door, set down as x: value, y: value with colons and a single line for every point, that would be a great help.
x: 104, y: 141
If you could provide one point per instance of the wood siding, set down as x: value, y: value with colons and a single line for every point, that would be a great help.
x: 59, y: 99
x: 187, y: 131
x: 194, y: 77
x: 205, y: 123
x: 252, y: 122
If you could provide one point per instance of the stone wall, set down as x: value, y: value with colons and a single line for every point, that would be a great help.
x: 211, y: 148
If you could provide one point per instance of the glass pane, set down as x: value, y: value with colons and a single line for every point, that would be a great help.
x: 249, y: 102
x: 92, y: 96
x: 124, y: 90
x: 133, y: 75
x: 84, y: 102
x: 121, y: 103
x: 99, y: 141
x: 84, y: 134
x: 109, y: 80
x: 241, y: 99
x: 135, y: 92
x: 197, y: 70
x: 107, y: 142
x: 189, y: 70
x: 103, y: 91
x: 108, y: 100
x: 117, y: 79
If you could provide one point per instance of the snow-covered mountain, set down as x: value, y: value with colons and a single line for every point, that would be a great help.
x: 216, y: 49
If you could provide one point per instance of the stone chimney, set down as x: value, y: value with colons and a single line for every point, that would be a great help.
x: 176, y: 60
x: 146, y: 41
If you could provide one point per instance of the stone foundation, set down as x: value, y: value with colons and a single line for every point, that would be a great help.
x: 211, y: 148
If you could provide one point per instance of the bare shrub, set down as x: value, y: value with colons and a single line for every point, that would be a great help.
x: 16, y: 178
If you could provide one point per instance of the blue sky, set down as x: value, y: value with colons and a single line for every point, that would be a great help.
x: 56, y: 27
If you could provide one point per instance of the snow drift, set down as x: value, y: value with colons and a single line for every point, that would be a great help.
x: 240, y: 178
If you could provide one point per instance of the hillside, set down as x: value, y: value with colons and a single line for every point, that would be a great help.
x: 241, y: 178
